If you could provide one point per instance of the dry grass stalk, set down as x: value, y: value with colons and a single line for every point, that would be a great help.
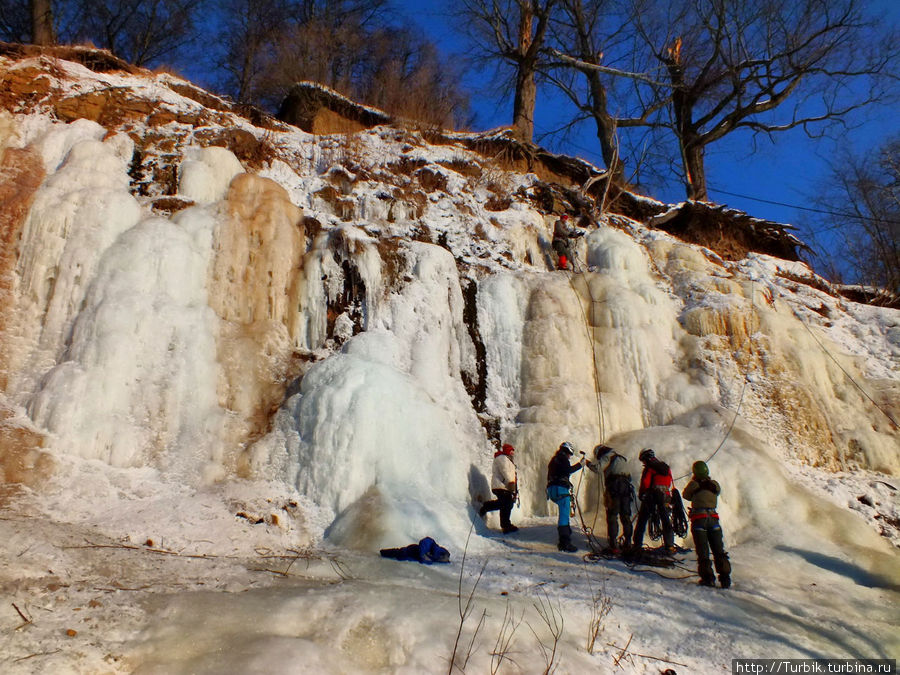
x: 503, y: 645
x: 552, y: 617
x: 601, y: 606
x: 465, y: 611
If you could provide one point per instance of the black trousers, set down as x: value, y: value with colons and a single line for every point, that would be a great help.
x: 707, y: 534
x: 504, y: 503
x: 618, y: 509
x: 654, y: 499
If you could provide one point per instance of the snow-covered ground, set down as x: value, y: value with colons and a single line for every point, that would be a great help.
x: 222, y: 414
x: 168, y: 599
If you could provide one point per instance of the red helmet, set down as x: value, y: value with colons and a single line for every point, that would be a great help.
x: 565, y: 216
x: 507, y: 449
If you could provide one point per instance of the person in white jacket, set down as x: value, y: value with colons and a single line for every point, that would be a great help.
x: 505, y: 487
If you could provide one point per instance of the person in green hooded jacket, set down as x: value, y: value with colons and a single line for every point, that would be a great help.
x: 703, y: 493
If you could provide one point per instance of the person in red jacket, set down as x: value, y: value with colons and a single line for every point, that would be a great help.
x: 655, y: 493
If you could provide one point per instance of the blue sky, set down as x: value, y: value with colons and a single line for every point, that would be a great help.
x: 787, y: 170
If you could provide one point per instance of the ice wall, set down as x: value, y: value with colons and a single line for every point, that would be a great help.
x: 790, y: 357
x: 115, y: 351
x: 582, y: 357
x: 266, y: 333
x: 383, y: 433
x: 79, y: 210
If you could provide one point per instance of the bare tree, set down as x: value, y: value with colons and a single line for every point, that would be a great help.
x: 864, y: 244
x: 350, y: 46
x: 590, y: 55
x: 734, y: 64
x: 270, y: 44
x: 15, y: 21
x: 409, y: 79
x: 247, y: 31
x: 512, y: 31
x: 142, y: 32
x: 42, y: 31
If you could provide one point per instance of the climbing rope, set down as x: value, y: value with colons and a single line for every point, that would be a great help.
x: 588, y: 530
x: 737, y: 410
x: 588, y: 328
x: 843, y: 370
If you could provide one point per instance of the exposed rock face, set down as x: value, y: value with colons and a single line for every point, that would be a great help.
x: 320, y: 110
x: 21, y: 173
x: 731, y: 233
x: 255, y: 290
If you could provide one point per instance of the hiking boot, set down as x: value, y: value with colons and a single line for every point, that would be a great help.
x: 707, y: 582
x: 725, y: 581
x: 509, y: 529
x: 565, y: 539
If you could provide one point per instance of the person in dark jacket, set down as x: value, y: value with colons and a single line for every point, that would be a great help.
x: 427, y: 551
x: 617, y: 494
x: 505, y: 486
x: 703, y: 493
x: 558, y: 487
x: 655, y: 493
x: 562, y: 233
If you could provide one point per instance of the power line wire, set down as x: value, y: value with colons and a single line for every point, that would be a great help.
x: 844, y: 370
x: 838, y: 214
x: 806, y: 208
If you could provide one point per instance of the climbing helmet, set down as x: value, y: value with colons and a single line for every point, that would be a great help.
x: 700, y: 470
x: 601, y: 450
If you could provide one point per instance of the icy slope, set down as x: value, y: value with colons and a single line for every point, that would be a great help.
x: 321, y: 345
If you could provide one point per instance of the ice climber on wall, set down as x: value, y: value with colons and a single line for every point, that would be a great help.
x: 618, y: 494
x: 558, y: 491
x: 703, y: 492
x: 505, y: 486
x: 562, y: 233
x: 655, y: 493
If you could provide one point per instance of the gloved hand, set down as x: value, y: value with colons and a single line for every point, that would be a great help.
x: 709, y: 485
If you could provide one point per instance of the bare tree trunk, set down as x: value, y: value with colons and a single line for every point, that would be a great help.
x: 526, y: 88
x: 695, y: 172
x: 42, y: 32
x: 606, y: 125
x: 523, y: 105
x: 598, y: 99
x: 683, y: 100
